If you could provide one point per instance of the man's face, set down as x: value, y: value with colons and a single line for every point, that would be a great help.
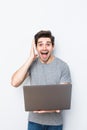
x: 45, y: 48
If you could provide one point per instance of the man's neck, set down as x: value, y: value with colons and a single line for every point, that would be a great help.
x: 51, y: 58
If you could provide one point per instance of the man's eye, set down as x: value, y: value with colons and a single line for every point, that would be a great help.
x: 40, y: 44
x: 48, y: 44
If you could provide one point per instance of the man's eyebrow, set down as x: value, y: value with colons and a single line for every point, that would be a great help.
x: 39, y: 42
x: 48, y: 41
x: 42, y: 42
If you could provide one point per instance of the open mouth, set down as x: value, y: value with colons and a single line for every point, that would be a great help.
x: 44, y: 54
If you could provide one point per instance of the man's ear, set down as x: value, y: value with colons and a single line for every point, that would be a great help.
x: 53, y: 49
x: 53, y: 46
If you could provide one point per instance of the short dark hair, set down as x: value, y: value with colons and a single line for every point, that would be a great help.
x: 43, y: 33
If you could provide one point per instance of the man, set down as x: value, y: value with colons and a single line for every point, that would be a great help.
x: 43, y: 69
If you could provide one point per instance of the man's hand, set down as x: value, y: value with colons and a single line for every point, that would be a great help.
x: 33, y: 54
x: 48, y: 111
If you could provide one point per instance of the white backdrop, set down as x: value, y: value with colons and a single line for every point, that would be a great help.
x: 19, y: 21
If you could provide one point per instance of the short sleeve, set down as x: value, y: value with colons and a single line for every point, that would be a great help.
x: 29, y: 71
x: 65, y: 74
x: 31, y: 67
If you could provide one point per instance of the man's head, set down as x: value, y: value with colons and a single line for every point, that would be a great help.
x: 44, y: 42
x: 44, y: 34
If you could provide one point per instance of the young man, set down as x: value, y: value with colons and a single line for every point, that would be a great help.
x: 43, y: 69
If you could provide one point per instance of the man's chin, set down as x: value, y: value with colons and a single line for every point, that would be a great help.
x: 44, y: 60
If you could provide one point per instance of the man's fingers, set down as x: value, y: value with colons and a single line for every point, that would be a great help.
x: 58, y: 111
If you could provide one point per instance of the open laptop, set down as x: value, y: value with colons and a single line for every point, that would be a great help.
x: 47, y: 97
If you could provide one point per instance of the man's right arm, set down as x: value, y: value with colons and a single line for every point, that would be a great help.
x: 19, y: 76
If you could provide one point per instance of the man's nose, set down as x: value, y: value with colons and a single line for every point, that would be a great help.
x: 44, y: 47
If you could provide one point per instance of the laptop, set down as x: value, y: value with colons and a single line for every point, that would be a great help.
x: 47, y: 97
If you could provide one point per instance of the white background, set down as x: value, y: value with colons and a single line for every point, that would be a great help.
x: 19, y: 21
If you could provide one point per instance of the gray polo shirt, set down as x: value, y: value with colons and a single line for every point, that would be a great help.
x: 44, y: 74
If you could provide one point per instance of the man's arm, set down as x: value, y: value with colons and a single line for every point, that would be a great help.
x: 19, y: 76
